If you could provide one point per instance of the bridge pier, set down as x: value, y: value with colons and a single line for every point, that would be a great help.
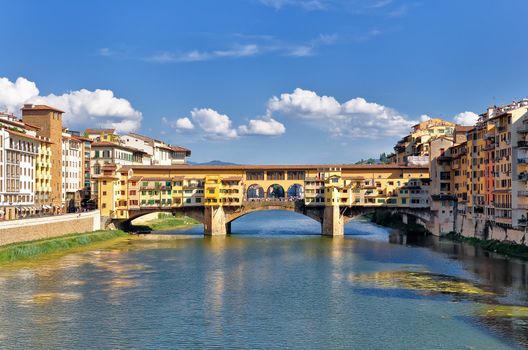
x: 215, y: 221
x: 333, y: 222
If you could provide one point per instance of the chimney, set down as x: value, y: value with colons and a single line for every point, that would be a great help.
x: 28, y: 105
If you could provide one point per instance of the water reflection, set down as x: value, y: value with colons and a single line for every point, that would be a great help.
x: 280, y: 289
x: 507, y: 278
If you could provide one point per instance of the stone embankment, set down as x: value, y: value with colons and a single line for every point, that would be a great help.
x: 24, y: 230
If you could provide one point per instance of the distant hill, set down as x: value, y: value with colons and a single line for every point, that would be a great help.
x: 214, y: 162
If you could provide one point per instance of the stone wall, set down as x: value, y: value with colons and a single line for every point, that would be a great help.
x: 469, y: 227
x: 24, y: 230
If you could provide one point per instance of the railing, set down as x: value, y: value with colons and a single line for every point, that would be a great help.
x: 522, y: 160
x: 522, y: 144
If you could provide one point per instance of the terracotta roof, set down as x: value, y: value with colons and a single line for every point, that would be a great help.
x: 19, y: 124
x: 109, y: 166
x: 275, y: 167
x: 82, y: 138
x: 100, y: 131
x: 141, y: 137
x: 135, y: 178
x: 21, y: 134
x: 463, y: 128
x: 41, y: 108
x: 181, y: 149
x: 232, y: 178
x: 156, y: 179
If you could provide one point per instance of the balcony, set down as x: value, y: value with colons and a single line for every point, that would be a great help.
x: 522, y: 193
x: 522, y: 144
x: 522, y: 160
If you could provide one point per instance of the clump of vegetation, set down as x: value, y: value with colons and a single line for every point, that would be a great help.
x: 388, y: 219
x: 504, y: 248
x: 26, y: 250
x: 166, y: 221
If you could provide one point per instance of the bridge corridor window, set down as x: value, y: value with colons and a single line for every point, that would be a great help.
x: 275, y: 175
x: 255, y: 175
x: 276, y: 191
x: 296, y: 175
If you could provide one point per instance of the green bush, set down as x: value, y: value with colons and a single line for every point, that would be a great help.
x: 31, y: 249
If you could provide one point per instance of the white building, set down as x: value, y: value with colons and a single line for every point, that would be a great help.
x: 19, y: 147
x: 160, y: 152
x: 72, y: 170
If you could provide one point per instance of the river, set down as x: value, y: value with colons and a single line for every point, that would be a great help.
x: 273, y: 284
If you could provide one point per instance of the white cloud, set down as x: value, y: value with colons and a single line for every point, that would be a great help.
x: 265, y: 127
x: 305, y: 4
x: 356, y: 118
x: 184, y: 123
x: 197, y: 56
x: 466, y: 118
x: 425, y: 117
x: 82, y: 108
x: 214, y: 124
x: 13, y: 95
x: 181, y: 124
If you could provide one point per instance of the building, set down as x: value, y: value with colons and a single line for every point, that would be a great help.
x: 105, y: 153
x: 72, y: 172
x: 160, y: 152
x: 19, y: 147
x: 102, y: 135
x: 49, y: 122
x: 135, y: 187
x: 43, y: 164
x: 414, y: 148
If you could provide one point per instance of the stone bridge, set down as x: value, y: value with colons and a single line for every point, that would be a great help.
x: 217, y: 219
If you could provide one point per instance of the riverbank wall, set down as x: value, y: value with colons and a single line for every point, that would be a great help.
x: 482, y: 229
x: 24, y: 230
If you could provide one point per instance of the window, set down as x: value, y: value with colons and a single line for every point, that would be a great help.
x: 275, y: 175
x: 255, y: 175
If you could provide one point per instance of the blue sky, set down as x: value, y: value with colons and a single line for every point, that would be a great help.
x: 264, y: 81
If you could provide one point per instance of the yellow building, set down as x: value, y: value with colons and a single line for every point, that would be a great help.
x: 43, y: 163
x: 131, y: 188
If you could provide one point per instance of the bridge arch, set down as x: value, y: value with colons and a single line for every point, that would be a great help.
x: 293, y: 207
x: 296, y: 191
x: 276, y: 191
x: 255, y: 192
